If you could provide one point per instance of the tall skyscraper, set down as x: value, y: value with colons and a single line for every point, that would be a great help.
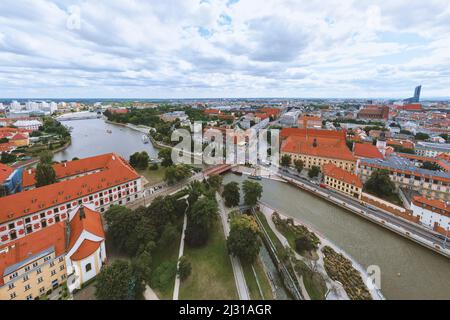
x: 416, y: 97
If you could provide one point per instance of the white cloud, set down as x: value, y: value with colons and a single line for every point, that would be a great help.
x: 194, y: 48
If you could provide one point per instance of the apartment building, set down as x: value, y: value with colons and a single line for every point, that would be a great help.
x: 430, y: 184
x: 342, y: 180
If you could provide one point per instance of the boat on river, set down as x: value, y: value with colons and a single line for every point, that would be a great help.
x: 145, y: 139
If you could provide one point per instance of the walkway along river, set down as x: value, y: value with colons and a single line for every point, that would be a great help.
x: 408, y: 271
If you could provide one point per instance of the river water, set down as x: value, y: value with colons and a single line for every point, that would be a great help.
x: 408, y: 271
x: 91, y: 137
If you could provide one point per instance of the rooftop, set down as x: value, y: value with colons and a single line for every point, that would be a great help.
x: 365, y: 150
x: 116, y: 172
x: 333, y: 171
x: 15, y: 255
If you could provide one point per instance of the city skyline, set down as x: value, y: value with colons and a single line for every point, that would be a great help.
x: 223, y: 49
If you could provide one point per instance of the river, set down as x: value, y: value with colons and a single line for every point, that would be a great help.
x: 408, y: 271
x: 91, y: 137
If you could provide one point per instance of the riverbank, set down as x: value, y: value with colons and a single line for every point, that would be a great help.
x: 335, y: 289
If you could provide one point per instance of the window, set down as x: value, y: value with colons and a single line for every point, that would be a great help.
x: 40, y: 279
x: 27, y: 268
x: 39, y: 271
x: 12, y: 295
x: 61, y: 259
x: 53, y: 272
x: 11, y: 286
x: 57, y: 219
x: 25, y: 278
x: 13, y: 275
x: 56, y: 210
x: 29, y: 229
x: 30, y: 297
x: 69, y: 205
x: 42, y: 215
x: 47, y: 258
x: 52, y: 264
x: 27, y: 220
x: 27, y: 287
x: 61, y: 267
x: 42, y: 290
x: 13, y: 235
x: 88, y: 267
x: 11, y: 226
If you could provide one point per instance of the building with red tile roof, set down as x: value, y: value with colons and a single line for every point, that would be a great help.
x: 72, y: 251
x: 366, y: 150
x: 309, y: 122
x: 31, y: 266
x: 434, y: 214
x: 317, y: 147
x: 374, y: 112
x: 410, y: 107
x: 35, y: 209
x: 86, y: 253
x: 342, y: 180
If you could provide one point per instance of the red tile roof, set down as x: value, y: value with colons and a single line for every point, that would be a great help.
x: 287, y: 132
x: 364, y: 150
x: 70, y: 168
x: 90, y: 222
x: 331, y: 148
x: 437, y: 206
x: 118, y: 171
x: 31, y: 245
x: 5, y: 172
x: 335, y: 172
x: 19, y: 136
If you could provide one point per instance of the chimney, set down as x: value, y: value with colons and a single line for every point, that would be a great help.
x: 315, y: 142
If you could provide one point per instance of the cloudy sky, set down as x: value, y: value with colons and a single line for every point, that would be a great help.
x: 223, y: 48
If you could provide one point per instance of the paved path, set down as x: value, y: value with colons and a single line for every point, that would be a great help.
x: 176, y: 289
x: 238, y: 272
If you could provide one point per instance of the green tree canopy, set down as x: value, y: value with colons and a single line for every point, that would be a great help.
x: 431, y: 166
x: 299, y: 165
x: 204, y: 212
x: 231, y: 194
x: 380, y: 184
x: 118, y: 282
x: 166, y: 157
x: 184, y: 268
x: 215, y: 181
x: 314, y: 172
x: 252, y: 192
x: 286, y: 160
x: 139, y: 160
x: 421, y: 136
x: 177, y: 173
x: 244, y: 241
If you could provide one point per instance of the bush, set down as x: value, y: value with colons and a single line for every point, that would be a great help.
x: 153, y: 167
x: 184, y: 268
x: 303, y: 244
x: 164, y: 274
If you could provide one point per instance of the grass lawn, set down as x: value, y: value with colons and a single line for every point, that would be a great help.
x: 167, y: 255
x: 153, y: 176
x: 253, y: 284
x: 212, y: 275
x: 314, y: 282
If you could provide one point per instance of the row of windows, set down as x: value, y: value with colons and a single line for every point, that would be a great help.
x: 42, y: 290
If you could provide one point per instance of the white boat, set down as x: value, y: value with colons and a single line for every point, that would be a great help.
x: 145, y: 139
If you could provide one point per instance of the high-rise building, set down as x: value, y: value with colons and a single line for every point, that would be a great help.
x: 416, y: 97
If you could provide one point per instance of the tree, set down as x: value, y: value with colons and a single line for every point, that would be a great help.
x: 139, y: 160
x: 314, y: 172
x: 177, y: 173
x: 299, y: 165
x: 304, y: 244
x: 231, y: 194
x: 431, y: 166
x: 184, y: 268
x: 252, y: 192
x: 215, y: 181
x: 166, y: 156
x: 286, y: 160
x: 380, y: 184
x: 7, y: 158
x: 244, y: 241
x: 204, y: 212
x: 421, y: 136
x: 45, y: 174
x: 118, y: 282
